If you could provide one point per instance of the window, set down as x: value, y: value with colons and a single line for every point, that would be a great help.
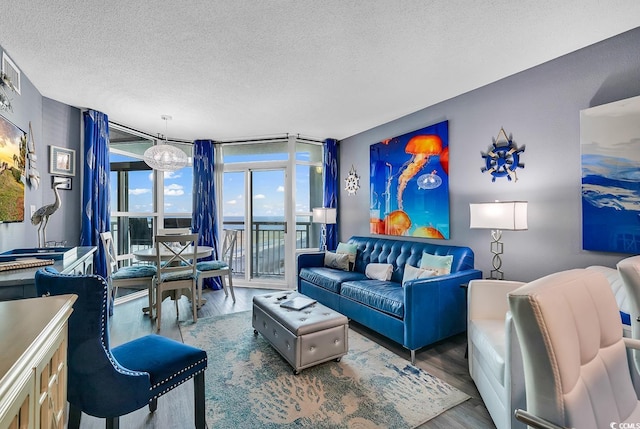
x: 137, y: 208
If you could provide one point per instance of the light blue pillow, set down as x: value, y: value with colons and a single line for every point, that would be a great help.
x: 440, y: 264
x: 349, y: 249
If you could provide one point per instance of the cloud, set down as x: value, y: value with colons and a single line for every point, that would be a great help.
x: 259, y: 197
x: 232, y: 202
x: 280, y: 189
x: 173, y: 190
x: 139, y: 191
x: 172, y: 175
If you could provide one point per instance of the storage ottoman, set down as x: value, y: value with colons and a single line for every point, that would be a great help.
x: 304, y: 337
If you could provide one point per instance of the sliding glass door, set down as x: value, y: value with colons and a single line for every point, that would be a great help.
x: 255, y: 204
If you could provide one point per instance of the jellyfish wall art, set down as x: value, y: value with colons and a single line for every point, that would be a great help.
x: 410, y: 184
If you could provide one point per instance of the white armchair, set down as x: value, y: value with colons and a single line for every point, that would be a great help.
x: 495, y: 361
x: 574, y: 353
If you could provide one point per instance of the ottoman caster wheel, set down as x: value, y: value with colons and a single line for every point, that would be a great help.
x: 296, y: 372
x: 255, y: 333
x: 338, y: 359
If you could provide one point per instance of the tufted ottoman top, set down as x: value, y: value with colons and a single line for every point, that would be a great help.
x: 314, y: 318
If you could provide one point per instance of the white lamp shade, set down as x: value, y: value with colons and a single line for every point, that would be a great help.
x: 506, y: 215
x: 324, y: 215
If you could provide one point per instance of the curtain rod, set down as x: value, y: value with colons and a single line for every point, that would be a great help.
x: 150, y: 135
x: 244, y: 140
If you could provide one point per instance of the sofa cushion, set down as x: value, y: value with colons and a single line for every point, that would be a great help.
x: 385, y: 296
x: 488, y: 339
x: 329, y: 278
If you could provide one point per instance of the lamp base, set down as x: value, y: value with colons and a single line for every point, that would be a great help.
x: 323, y: 238
x: 496, y: 249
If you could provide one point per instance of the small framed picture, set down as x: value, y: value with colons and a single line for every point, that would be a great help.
x: 62, y: 161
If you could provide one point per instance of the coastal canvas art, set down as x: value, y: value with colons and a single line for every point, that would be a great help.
x: 13, y: 145
x: 610, y: 143
x: 409, y: 180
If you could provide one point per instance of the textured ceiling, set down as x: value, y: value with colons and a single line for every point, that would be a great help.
x: 226, y: 69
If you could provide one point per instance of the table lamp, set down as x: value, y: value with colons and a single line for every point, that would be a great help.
x: 324, y: 216
x: 498, y: 216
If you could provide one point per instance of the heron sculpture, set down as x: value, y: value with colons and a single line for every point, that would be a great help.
x: 41, y: 216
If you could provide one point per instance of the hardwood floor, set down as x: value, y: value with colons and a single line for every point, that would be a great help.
x: 444, y: 360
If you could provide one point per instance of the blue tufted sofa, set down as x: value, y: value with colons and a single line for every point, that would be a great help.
x: 420, y: 313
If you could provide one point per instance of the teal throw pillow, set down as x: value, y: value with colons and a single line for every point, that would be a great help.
x: 349, y: 249
x: 440, y: 264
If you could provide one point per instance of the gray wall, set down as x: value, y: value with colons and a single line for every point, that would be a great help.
x: 540, y: 108
x: 55, y: 124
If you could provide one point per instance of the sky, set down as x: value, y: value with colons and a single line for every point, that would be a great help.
x: 268, y: 191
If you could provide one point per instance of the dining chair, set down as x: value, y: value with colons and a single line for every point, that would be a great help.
x: 134, y: 276
x: 176, y: 270
x: 140, y: 232
x: 107, y: 382
x: 222, y: 267
x: 174, y: 231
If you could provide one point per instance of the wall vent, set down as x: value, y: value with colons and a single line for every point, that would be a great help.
x: 11, y: 70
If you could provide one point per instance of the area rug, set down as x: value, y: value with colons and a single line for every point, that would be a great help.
x: 249, y: 385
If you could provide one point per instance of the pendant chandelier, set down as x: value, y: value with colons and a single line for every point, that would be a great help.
x: 164, y: 156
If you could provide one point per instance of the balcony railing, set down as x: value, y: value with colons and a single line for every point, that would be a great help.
x: 267, y: 239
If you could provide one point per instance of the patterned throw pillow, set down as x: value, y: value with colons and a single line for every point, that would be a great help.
x: 337, y: 261
x: 440, y: 264
x: 412, y: 273
x: 351, y: 250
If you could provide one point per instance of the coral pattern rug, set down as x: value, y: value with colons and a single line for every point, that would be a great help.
x: 249, y: 385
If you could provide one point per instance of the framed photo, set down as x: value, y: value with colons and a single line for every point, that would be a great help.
x: 62, y: 161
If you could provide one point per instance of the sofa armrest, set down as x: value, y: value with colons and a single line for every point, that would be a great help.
x: 307, y: 260
x: 487, y: 299
x: 438, y: 303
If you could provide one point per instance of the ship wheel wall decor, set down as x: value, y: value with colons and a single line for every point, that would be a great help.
x: 352, y: 182
x: 503, y: 158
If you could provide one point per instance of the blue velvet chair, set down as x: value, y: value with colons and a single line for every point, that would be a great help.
x: 109, y: 383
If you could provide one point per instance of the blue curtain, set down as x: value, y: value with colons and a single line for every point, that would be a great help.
x: 95, y: 190
x: 330, y: 179
x: 204, y: 201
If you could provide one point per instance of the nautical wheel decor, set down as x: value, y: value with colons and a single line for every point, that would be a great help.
x: 503, y: 158
x: 352, y: 182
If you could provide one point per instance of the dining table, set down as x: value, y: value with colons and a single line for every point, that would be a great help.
x: 149, y: 255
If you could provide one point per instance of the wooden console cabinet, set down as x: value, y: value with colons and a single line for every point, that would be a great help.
x: 33, y: 362
x: 19, y: 284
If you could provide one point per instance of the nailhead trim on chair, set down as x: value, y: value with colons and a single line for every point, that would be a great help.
x: 178, y: 373
x: 103, y: 323
x: 173, y: 386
